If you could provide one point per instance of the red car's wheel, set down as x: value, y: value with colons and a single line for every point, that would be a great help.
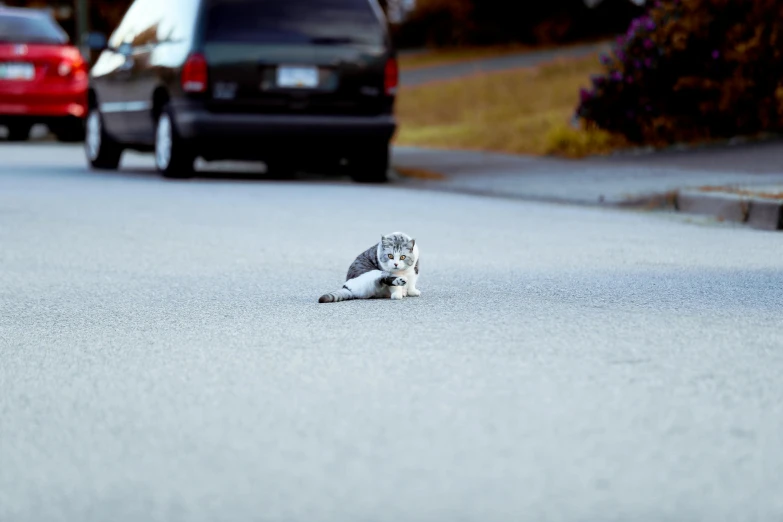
x: 19, y: 131
x: 71, y: 131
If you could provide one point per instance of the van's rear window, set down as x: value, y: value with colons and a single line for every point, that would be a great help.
x: 293, y: 21
x: 30, y: 29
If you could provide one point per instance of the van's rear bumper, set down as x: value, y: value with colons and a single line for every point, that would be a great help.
x: 200, y: 125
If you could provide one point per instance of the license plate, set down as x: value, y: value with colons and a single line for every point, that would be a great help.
x: 17, y: 71
x: 297, y: 77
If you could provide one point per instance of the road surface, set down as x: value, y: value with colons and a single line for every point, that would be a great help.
x: 163, y: 356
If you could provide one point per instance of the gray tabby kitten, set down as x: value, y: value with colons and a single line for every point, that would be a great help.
x: 388, y: 269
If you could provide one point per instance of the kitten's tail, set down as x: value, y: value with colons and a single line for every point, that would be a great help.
x: 342, y: 294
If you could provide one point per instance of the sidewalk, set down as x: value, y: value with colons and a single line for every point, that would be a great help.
x: 655, y: 180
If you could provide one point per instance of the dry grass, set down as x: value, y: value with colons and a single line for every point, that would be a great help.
x: 526, y: 111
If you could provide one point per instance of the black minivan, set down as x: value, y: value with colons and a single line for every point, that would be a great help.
x: 293, y: 83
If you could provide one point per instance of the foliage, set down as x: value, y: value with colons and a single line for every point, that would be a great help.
x: 490, y: 22
x: 436, y: 23
x: 692, y: 70
x: 564, y: 140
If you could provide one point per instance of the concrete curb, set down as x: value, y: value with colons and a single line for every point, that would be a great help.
x: 435, y: 182
x: 729, y: 143
x: 756, y: 212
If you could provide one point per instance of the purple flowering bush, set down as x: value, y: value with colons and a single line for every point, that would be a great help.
x: 691, y: 70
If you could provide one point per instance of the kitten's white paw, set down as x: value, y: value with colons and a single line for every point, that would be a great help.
x: 400, y: 281
x: 396, y: 295
x: 414, y: 292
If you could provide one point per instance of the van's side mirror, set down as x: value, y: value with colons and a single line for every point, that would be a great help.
x: 95, y: 41
x: 125, y: 49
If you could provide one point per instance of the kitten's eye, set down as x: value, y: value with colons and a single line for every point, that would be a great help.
x: 402, y: 257
x: 391, y: 256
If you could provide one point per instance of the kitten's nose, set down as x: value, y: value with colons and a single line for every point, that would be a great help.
x: 395, y: 265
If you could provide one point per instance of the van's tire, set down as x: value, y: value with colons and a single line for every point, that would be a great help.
x: 102, y: 151
x: 174, y: 156
x: 371, y: 164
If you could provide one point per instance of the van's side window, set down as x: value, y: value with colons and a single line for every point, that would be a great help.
x: 132, y: 23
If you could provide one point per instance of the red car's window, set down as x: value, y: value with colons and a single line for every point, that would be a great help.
x: 30, y: 29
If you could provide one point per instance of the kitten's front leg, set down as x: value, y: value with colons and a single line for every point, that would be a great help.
x: 411, y: 289
x: 396, y: 286
x: 397, y: 292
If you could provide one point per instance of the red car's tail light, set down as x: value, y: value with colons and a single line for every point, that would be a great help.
x: 71, y: 66
x: 65, y: 68
x: 391, y: 77
x: 194, y: 74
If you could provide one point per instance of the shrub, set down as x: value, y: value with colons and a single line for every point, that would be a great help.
x: 563, y: 140
x: 692, y: 70
x: 489, y: 22
x: 436, y: 23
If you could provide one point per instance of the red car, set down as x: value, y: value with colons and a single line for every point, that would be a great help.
x: 43, y: 79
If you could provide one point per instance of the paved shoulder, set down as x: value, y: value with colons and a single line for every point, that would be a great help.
x: 612, y: 180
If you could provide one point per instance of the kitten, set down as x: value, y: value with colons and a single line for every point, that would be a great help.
x: 388, y: 269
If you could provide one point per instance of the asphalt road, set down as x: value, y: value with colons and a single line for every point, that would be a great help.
x: 163, y: 356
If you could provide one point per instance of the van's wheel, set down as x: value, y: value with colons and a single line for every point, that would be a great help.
x: 102, y: 151
x: 19, y: 131
x: 371, y: 165
x: 174, y: 157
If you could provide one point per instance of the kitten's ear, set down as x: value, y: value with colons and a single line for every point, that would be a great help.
x: 411, y: 244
